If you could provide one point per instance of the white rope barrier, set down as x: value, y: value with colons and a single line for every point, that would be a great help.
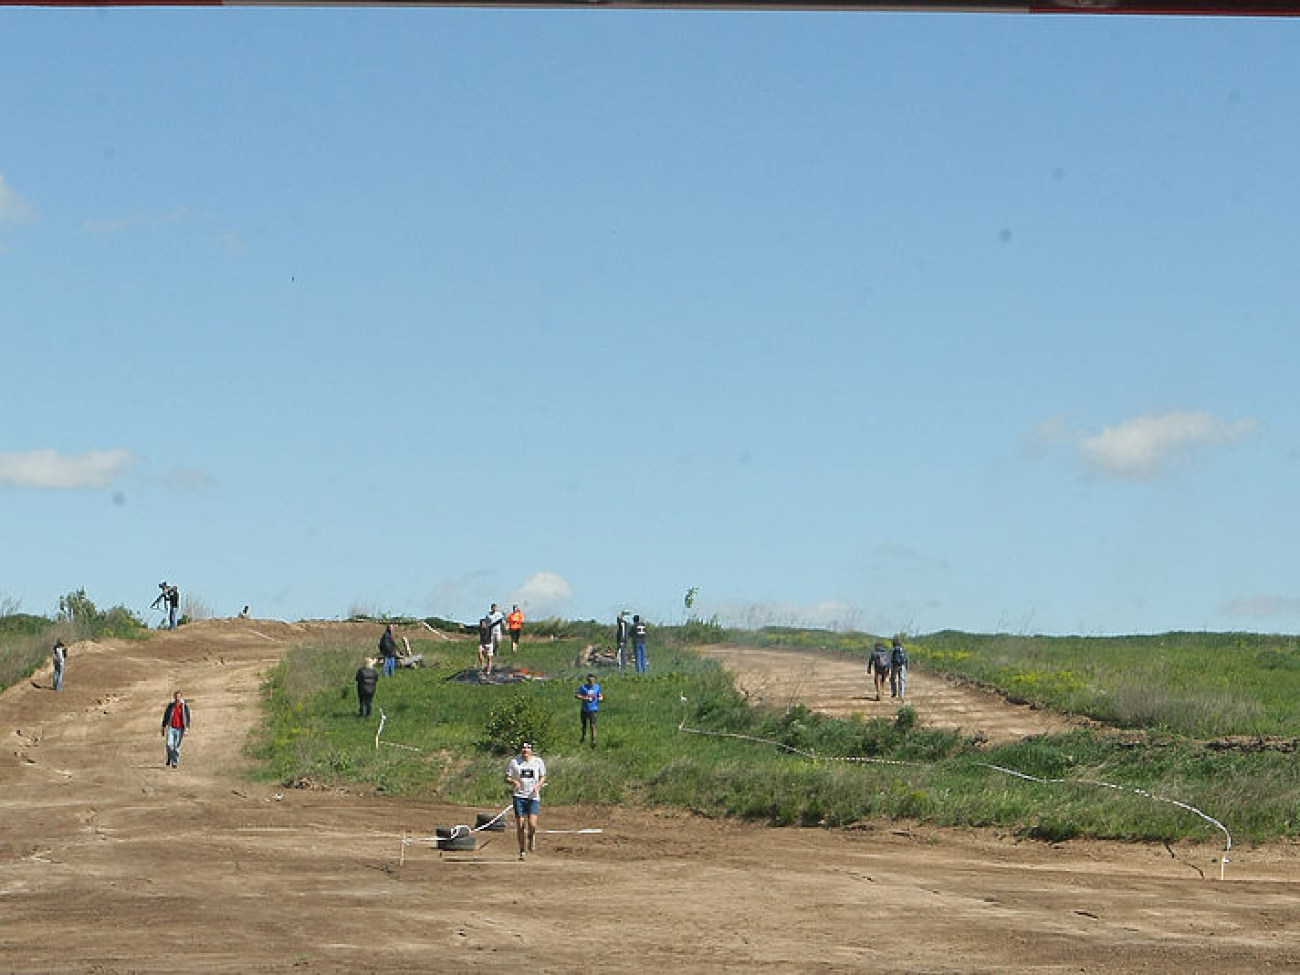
x: 1223, y: 861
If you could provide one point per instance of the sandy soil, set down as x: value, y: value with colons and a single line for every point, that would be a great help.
x: 113, y: 863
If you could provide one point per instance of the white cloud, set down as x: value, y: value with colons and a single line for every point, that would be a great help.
x: 1144, y: 446
x: 1262, y: 606
x: 50, y: 469
x: 1141, y: 447
x: 14, y: 208
x: 543, y: 594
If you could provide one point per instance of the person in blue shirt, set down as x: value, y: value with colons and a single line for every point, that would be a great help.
x: 590, y: 696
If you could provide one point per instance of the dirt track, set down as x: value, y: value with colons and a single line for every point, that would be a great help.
x: 114, y: 863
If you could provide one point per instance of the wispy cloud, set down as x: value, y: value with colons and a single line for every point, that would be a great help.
x: 544, y: 593
x: 834, y: 614
x: 187, y: 479
x: 14, y: 208
x: 50, y: 469
x: 132, y: 221
x: 1141, y: 447
x: 1261, y: 607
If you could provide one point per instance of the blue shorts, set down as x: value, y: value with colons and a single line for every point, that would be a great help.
x: 527, y: 806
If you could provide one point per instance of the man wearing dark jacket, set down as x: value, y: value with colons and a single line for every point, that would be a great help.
x: 388, y: 650
x: 175, y: 722
x: 367, y: 681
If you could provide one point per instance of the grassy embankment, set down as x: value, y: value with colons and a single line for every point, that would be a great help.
x: 1170, y: 692
x: 26, y: 640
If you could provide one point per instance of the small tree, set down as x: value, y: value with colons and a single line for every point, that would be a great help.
x: 518, y: 719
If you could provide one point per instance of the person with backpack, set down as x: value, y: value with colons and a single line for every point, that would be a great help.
x: 878, y: 667
x: 638, y: 643
x: 897, y: 669
x: 388, y: 650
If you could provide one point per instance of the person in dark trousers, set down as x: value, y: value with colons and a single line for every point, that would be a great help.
x: 590, y: 696
x: 638, y: 643
x: 878, y: 667
x: 897, y: 669
x: 515, y: 627
x: 621, y: 630
x: 388, y: 650
x: 367, y: 681
x: 175, y: 722
x: 173, y: 606
x: 60, y: 655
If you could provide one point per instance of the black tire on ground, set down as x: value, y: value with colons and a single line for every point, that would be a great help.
x: 465, y: 842
x: 482, y: 820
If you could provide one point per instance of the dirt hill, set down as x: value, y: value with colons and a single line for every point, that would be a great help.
x: 114, y: 863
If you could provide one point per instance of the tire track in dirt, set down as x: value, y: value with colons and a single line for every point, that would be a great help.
x: 112, y: 863
x: 838, y: 684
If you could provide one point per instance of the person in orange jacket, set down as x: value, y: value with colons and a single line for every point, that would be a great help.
x: 515, y: 624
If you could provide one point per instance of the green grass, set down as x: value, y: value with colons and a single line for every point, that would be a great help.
x: 787, y: 766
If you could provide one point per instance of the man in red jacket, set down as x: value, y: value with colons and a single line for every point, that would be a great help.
x: 175, y: 722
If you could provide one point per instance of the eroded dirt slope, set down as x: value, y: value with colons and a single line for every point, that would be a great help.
x: 110, y: 862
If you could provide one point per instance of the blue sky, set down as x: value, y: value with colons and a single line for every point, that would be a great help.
x: 890, y: 321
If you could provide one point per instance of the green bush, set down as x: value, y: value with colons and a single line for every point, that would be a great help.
x: 519, y: 719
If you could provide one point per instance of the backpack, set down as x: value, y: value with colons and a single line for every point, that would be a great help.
x: 880, y: 659
x: 898, y: 658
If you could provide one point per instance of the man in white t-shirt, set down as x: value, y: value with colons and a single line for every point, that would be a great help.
x: 526, y: 774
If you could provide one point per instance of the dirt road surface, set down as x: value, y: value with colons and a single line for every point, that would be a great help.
x: 112, y: 863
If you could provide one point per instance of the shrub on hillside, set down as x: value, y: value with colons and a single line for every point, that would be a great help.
x: 516, y: 720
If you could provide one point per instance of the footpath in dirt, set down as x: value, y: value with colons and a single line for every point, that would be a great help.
x: 110, y: 862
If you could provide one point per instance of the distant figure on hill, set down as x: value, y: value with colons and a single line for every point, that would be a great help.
x: 486, y: 650
x: 60, y: 655
x: 515, y: 624
x: 173, y: 606
x: 621, y: 630
x: 388, y: 650
x: 878, y: 667
x: 169, y: 601
x: 897, y: 669
x: 638, y: 643
x: 497, y: 620
x: 175, y: 722
x: 243, y: 613
x: 367, y: 681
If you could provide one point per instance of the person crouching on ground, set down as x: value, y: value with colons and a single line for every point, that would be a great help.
x: 526, y: 774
